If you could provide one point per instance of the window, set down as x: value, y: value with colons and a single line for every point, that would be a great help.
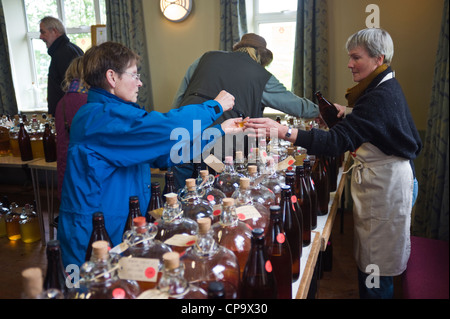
x: 77, y: 16
x: 276, y: 22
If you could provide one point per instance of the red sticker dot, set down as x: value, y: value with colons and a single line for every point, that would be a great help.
x: 150, y: 272
x: 190, y: 243
x: 291, y: 162
x: 217, y: 212
x: 241, y: 216
x: 210, y: 198
x: 294, y: 198
x: 118, y: 293
x: 281, y: 238
x: 268, y: 266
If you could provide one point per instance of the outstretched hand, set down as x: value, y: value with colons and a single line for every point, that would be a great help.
x: 233, y: 126
x: 226, y: 100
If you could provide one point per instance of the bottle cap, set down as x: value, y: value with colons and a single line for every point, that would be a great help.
x: 139, y: 221
x: 204, y: 224
x: 171, y: 260
x: 190, y: 184
x: 100, y: 249
x: 228, y: 201
x: 252, y: 169
x: 244, y: 182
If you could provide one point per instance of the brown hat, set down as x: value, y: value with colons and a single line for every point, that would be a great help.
x: 259, y: 43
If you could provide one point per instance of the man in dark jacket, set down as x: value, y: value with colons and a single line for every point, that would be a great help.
x: 62, y: 52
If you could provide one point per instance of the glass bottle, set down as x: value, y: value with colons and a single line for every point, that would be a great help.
x: 32, y: 282
x: 240, y: 165
x: 29, y: 225
x: 327, y: 110
x: 207, y: 262
x: 99, y: 277
x: 134, y: 210
x: 36, y: 134
x: 273, y: 180
x: 331, y: 163
x: 169, y: 186
x: 258, y: 279
x: 98, y: 233
x: 292, y: 229
x: 304, y: 200
x: 260, y: 193
x: 254, y: 214
x: 210, y: 193
x: 12, y: 220
x: 312, y: 192
x: 55, y: 276
x: 26, y: 153
x: 4, y: 209
x: 279, y: 253
x: 232, y: 233
x: 319, y: 175
x: 228, y: 180
x: 173, y: 281
x: 173, y: 228
x: 14, y: 137
x: 5, y: 145
x: 49, y: 144
x: 192, y: 203
x: 156, y: 203
x: 141, y: 244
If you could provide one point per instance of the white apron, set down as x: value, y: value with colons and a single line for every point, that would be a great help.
x: 381, y: 189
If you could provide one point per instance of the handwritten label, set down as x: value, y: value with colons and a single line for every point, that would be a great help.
x: 140, y: 269
x: 247, y: 212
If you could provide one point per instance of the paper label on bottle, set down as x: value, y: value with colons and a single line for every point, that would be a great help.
x: 156, y: 213
x: 247, y: 212
x: 139, y: 269
x: 119, y: 248
x: 181, y: 240
x: 153, y: 294
x: 215, y: 163
x: 217, y: 210
x: 283, y: 165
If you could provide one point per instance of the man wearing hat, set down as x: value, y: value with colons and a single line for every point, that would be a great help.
x: 242, y: 73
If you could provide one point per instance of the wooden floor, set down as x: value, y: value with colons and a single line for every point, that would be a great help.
x: 339, y: 283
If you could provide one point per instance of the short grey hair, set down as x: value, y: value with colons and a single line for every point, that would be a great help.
x: 376, y: 41
x: 53, y: 23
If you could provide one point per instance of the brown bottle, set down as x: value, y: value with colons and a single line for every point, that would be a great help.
x: 280, y: 253
x: 55, y: 276
x: 258, y: 280
x: 99, y: 233
x: 328, y: 111
x: 26, y: 154
x: 290, y: 180
x: 292, y: 229
x: 304, y: 200
x: 155, y: 205
x: 169, y: 186
x: 332, y: 172
x: 134, y: 211
x: 312, y: 192
x: 319, y: 175
x: 49, y: 141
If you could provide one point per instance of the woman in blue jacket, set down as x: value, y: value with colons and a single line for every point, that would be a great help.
x: 114, y: 142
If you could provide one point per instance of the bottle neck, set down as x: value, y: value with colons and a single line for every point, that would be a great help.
x: 173, y: 282
x: 229, y: 216
x: 206, y: 245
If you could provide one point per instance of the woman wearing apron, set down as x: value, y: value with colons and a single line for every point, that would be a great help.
x: 381, y: 136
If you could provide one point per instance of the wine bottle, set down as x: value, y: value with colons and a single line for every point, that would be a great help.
x: 55, y: 276
x: 98, y: 233
x: 155, y: 205
x: 134, y: 211
x: 328, y: 111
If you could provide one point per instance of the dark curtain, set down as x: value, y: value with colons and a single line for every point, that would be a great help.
x: 233, y: 23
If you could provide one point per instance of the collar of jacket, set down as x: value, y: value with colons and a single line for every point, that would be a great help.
x: 99, y: 95
x: 63, y: 39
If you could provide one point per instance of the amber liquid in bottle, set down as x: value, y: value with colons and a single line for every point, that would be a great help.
x: 155, y: 205
x: 134, y: 211
x: 55, y: 276
x: 319, y: 175
x: 26, y: 153
x: 279, y: 254
x: 258, y: 279
x: 98, y: 233
x: 304, y: 200
x: 292, y: 229
x: 328, y: 111
x: 290, y: 180
x: 312, y: 192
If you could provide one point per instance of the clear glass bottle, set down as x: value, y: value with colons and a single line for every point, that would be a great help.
x: 55, y: 276
x: 156, y: 203
x: 254, y: 214
x: 240, y: 165
x: 260, y: 193
x: 14, y: 137
x: 173, y: 281
x: 228, y: 180
x: 208, y: 261
x: 29, y: 225
x: 174, y: 229
x: 232, y: 233
x: 279, y: 253
x: 32, y: 283
x: 210, y: 193
x: 5, y: 145
x: 98, y: 233
x: 12, y: 219
x: 304, y: 201
x: 141, y: 244
x: 273, y: 180
x: 99, y: 277
x: 192, y: 203
x: 258, y: 279
x: 134, y: 210
x: 312, y: 192
x: 36, y: 138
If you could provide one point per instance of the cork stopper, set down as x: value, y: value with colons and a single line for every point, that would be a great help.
x: 229, y: 159
x: 244, y: 182
x: 100, y: 249
x: 291, y: 150
x: 228, y: 201
x: 204, y: 173
x: 204, y: 224
x: 252, y: 169
x: 32, y: 282
x: 139, y: 221
x: 190, y: 184
x: 171, y: 260
x: 171, y: 198
x: 239, y: 155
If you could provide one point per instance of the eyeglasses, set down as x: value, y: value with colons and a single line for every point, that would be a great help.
x: 135, y: 76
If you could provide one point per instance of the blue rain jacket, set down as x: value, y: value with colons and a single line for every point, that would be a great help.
x: 113, y: 144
